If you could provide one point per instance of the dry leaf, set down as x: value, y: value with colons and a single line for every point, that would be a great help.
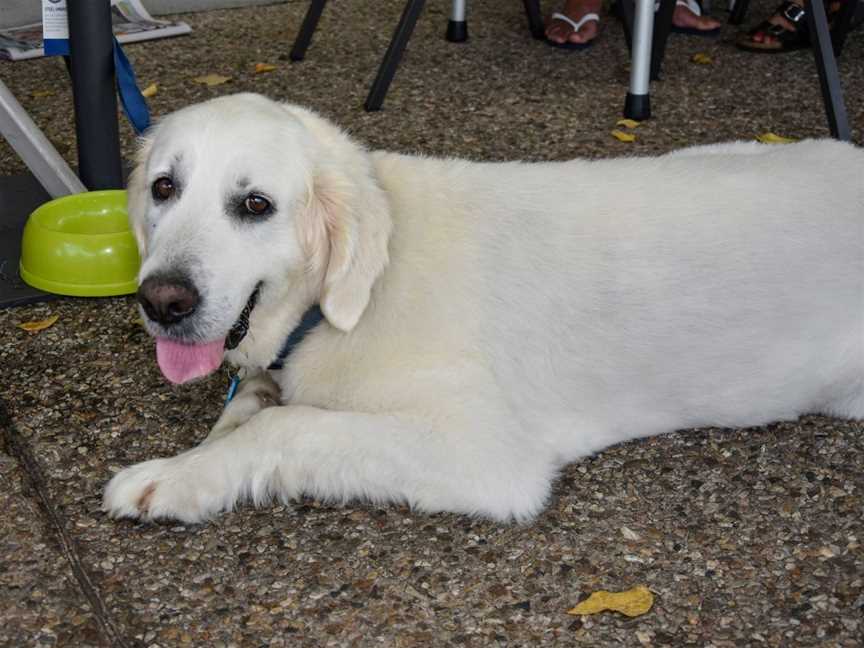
x: 644, y: 638
x: 39, y: 94
x: 773, y: 138
x: 702, y: 59
x: 621, y: 136
x: 825, y: 552
x: 633, y: 602
x: 212, y: 79
x: 261, y: 68
x: 627, y: 123
x: 630, y: 534
x: 150, y: 90
x: 39, y: 325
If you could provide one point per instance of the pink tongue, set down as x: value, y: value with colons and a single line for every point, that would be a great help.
x: 181, y: 363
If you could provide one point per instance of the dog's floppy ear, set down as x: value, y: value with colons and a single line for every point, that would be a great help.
x: 138, y: 194
x: 345, y: 227
x: 352, y: 216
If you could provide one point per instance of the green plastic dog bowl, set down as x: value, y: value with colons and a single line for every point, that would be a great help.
x: 81, y: 245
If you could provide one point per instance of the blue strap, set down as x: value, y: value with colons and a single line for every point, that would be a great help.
x: 133, y: 102
x: 232, y: 389
x: 311, y: 319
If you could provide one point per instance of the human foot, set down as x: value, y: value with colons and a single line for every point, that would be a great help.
x: 688, y: 18
x: 561, y: 32
x: 784, y: 31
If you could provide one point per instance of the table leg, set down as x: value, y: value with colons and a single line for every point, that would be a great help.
x: 91, y: 45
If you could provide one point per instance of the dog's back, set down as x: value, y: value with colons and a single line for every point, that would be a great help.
x: 721, y: 285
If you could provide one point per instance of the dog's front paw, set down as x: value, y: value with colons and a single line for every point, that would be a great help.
x: 179, y: 488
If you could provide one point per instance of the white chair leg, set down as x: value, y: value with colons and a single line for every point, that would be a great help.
x: 35, y: 150
x: 638, y: 103
x: 457, y: 26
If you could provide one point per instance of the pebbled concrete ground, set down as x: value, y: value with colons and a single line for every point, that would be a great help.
x: 746, y: 537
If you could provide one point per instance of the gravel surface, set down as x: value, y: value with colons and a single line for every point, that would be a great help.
x: 745, y: 537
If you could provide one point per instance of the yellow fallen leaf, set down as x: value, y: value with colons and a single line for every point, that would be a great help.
x: 702, y: 58
x: 773, y: 138
x: 621, y: 136
x: 633, y: 602
x: 39, y: 325
x: 39, y: 94
x: 150, y: 90
x: 261, y: 68
x: 212, y: 79
x: 627, y: 123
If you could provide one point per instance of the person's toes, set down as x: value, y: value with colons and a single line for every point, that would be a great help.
x: 558, y: 31
x: 683, y: 17
x: 586, y: 33
x: 706, y: 23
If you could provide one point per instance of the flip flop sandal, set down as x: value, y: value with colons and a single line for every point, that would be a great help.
x: 696, y: 8
x: 786, y: 40
x: 576, y: 25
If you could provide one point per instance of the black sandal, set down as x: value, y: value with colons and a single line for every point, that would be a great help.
x: 785, y: 40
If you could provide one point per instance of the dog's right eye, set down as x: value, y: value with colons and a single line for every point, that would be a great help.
x: 162, y: 189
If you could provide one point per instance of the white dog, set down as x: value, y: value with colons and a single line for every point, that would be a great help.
x: 483, y: 324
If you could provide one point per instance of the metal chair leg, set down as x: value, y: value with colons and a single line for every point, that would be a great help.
x: 826, y: 64
x: 304, y: 36
x: 736, y: 17
x: 842, y: 25
x: 662, y: 27
x: 535, y: 19
x: 627, y: 11
x: 457, y: 26
x: 638, y: 103
x: 35, y: 150
x: 388, y: 66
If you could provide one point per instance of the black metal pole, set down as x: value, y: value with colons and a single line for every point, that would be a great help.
x: 535, y: 19
x: 826, y: 65
x: 627, y: 10
x: 304, y: 36
x: 738, y: 11
x: 91, y: 57
x: 387, y: 69
x: 662, y: 27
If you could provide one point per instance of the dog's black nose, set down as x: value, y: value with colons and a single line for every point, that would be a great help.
x: 167, y: 300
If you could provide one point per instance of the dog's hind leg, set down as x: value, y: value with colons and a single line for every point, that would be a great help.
x: 483, y: 467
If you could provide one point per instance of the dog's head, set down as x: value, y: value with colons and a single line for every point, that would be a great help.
x: 241, y: 202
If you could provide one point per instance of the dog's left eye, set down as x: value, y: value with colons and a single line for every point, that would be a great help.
x: 257, y: 205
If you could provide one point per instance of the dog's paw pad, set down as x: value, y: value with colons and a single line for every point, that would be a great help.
x: 143, y: 504
x: 174, y: 488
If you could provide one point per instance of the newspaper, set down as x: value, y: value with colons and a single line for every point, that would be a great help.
x: 130, y: 21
